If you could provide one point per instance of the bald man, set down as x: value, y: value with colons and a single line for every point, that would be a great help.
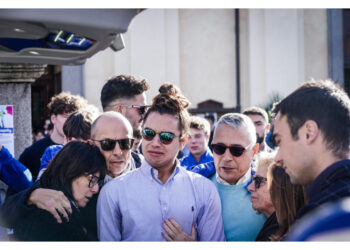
x: 112, y: 133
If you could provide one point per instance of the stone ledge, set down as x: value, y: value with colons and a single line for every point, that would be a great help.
x: 20, y: 73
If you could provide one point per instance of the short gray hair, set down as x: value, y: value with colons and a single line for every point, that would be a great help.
x: 237, y: 120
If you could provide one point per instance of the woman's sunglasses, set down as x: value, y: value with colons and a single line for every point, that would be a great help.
x: 109, y: 144
x: 258, y: 180
x: 235, y: 150
x: 165, y: 137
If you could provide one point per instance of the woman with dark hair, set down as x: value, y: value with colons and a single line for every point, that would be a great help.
x: 77, y: 171
x: 287, y: 198
x: 154, y: 201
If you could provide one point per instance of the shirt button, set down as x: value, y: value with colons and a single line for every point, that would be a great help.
x: 165, y: 208
x: 164, y: 188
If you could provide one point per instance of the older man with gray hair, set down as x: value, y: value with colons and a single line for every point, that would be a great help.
x: 234, y: 146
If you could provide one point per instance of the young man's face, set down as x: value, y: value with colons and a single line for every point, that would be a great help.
x: 292, y: 153
x: 158, y: 154
x: 58, y: 122
x: 197, y: 142
x: 133, y: 114
x: 261, y: 126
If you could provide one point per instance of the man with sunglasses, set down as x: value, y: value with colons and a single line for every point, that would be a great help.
x: 126, y: 94
x: 112, y: 133
x: 260, y: 196
x: 234, y: 146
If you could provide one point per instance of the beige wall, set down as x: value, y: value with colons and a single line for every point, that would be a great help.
x: 195, y: 49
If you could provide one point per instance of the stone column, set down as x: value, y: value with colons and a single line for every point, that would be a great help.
x: 15, y: 89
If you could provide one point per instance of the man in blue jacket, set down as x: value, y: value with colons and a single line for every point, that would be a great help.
x: 197, y: 144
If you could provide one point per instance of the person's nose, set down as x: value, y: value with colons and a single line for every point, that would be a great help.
x: 251, y: 187
x: 95, y: 189
x: 278, y: 157
x: 117, y: 150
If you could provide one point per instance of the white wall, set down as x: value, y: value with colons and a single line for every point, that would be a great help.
x: 195, y: 49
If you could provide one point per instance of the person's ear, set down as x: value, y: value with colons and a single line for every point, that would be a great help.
x: 53, y: 119
x: 183, y: 142
x: 256, y: 148
x: 311, y: 131
x: 119, y: 108
x: 267, y: 128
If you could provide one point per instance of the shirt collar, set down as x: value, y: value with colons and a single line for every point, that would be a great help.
x: 152, y: 172
x: 246, y: 177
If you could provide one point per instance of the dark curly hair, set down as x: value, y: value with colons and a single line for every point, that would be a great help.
x: 122, y: 86
x: 66, y: 103
x: 75, y: 159
x: 171, y: 101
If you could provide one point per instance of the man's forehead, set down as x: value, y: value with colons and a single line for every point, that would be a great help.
x: 223, y: 129
x: 256, y: 117
x: 194, y: 131
x: 111, y: 126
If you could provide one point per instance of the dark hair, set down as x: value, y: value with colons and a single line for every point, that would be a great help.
x: 66, y: 103
x: 200, y: 123
x: 325, y: 103
x: 287, y: 198
x: 122, y: 86
x: 170, y: 101
x: 75, y: 159
x: 137, y: 133
x: 78, y: 125
x: 256, y: 111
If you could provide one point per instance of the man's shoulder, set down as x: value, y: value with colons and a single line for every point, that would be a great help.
x: 42, y: 144
x: 206, y: 169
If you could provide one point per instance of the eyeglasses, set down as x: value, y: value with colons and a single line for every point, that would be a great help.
x: 258, y: 180
x: 165, y: 137
x: 236, y: 150
x: 109, y: 144
x: 94, y: 180
x: 141, y: 108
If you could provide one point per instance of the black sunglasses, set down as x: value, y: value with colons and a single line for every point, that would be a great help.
x: 165, y: 137
x: 235, y: 150
x: 94, y: 180
x: 109, y: 144
x: 258, y: 180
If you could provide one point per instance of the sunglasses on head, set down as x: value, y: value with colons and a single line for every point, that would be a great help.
x: 94, y: 180
x: 236, y: 150
x: 258, y: 180
x: 109, y: 144
x: 165, y: 137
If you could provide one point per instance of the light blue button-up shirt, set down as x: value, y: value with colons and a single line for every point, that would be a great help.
x: 134, y: 206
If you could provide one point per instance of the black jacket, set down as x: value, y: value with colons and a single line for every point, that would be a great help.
x: 331, y: 185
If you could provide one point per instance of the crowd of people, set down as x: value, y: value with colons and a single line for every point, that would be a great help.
x: 139, y: 172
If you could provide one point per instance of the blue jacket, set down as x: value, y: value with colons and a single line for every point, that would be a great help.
x: 189, y: 162
x: 14, y: 173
